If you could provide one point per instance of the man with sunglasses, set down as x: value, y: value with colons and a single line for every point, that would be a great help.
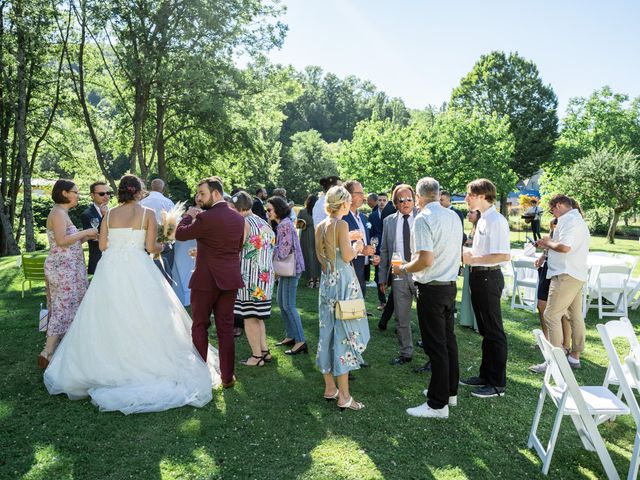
x: 100, y: 195
x: 396, y: 237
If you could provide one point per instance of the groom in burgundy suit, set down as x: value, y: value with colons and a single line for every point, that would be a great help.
x: 219, y: 231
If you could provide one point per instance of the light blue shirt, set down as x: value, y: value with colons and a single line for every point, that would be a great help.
x: 438, y: 230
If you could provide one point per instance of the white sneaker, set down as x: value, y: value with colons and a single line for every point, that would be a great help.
x: 453, y: 401
x: 539, y: 368
x: 426, y: 411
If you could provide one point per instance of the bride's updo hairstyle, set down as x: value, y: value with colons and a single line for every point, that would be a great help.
x: 129, y: 187
x: 335, y: 197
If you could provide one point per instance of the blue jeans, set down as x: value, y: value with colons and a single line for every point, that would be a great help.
x: 287, y: 289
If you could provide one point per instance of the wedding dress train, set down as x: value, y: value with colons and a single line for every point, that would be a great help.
x: 129, y: 347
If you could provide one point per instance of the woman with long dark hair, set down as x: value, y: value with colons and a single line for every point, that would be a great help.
x: 306, y: 227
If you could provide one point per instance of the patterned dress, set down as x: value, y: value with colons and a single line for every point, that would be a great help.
x: 66, y: 282
x: 341, y: 342
x: 256, y: 258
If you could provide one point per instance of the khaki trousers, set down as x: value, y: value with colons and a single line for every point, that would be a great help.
x: 565, y: 298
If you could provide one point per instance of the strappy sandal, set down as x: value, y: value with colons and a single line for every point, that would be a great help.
x: 330, y: 398
x: 264, y: 355
x: 351, y: 405
x: 259, y: 363
x: 310, y: 284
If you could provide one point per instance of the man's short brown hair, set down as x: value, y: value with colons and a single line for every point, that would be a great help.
x: 396, y: 192
x: 482, y: 186
x: 561, y: 198
x: 92, y: 187
x: 214, y: 183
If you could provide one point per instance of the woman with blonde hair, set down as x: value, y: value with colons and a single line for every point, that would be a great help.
x: 341, y: 342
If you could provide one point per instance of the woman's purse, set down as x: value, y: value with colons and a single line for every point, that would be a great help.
x: 286, y: 267
x: 351, y: 309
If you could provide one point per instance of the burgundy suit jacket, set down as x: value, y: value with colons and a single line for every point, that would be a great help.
x: 219, y: 233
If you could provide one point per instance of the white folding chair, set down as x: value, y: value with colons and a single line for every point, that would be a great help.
x: 582, y: 404
x: 630, y: 260
x: 611, y: 283
x: 525, y: 285
x: 507, y: 273
x: 633, y: 367
x: 633, y: 292
x: 601, y: 254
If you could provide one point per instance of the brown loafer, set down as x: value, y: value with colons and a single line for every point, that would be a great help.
x: 43, y: 362
x: 229, y: 384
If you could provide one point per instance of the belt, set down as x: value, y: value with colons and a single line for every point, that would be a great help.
x: 485, y: 269
x: 435, y: 283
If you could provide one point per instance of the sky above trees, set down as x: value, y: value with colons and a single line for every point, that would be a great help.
x: 419, y: 50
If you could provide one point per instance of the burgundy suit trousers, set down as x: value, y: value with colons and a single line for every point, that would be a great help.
x: 221, y: 303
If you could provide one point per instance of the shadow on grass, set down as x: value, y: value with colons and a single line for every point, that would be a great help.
x: 275, y: 423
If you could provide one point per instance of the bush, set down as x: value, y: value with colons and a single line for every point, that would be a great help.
x: 598, y: 220
x: 43, y: 205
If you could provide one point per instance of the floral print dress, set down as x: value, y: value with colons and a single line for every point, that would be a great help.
x: 341, y: 342
x: 256, y: 265
x: 66, y: 282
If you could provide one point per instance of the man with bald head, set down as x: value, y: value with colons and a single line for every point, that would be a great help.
x: 158, y: 202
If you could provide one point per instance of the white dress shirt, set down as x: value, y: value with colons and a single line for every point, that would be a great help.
x: 573, y: 232
x: 318, y: 212
x: 97, y: 207
x: 363, y: 230
x: 399, y: 246
x: 438, y: 230
x: 491, y: 237
x: 157, y: 202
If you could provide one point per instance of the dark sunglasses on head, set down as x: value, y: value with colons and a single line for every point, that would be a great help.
x: 102, y: 194
x: 405, y: 200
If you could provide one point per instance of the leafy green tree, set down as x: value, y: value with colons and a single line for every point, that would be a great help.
x: 307, y: 160
x: 380, y: 154
x: 510, y: 85
x: 604, y: 120
x: 606, y: 177
x: 462, y: 147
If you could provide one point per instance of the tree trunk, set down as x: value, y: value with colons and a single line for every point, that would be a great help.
x: 21, y: 129
x: 504, y: 205
x: 8, y: 245
x: 612, y: 227
x: 139, y: 118
x: 162, y: 162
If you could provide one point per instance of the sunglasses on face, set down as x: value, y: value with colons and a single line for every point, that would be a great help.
x: 102, y: 194
x: 405, y: 200
x: 269, y: 210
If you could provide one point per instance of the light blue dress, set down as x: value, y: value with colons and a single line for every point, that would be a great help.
x: 341, y: 342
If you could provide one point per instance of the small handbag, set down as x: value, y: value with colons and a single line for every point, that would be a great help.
x: 351, y: 309
x: 43, y: 319
x: 286, y: 267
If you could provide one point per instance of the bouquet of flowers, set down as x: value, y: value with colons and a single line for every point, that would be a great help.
x: 170, y: 220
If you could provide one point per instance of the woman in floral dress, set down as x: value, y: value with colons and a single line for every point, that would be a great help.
x: 64, y: 269
x: 341, y: 342
x: 253, y: 303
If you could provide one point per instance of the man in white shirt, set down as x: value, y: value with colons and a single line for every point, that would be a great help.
x: 436, y: 238
x: 158, y: 202
x: 535, y: 214
x: 491, y: 248
x: 567, y: 268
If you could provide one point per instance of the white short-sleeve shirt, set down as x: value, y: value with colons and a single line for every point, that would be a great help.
x: 491, y: 236
x: 573, y: 232
x: 438, y: 230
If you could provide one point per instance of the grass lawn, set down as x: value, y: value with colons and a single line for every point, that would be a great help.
x: 275, y: 424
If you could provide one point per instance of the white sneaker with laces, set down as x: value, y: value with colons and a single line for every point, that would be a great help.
x: 425, y: 411
x: 539, y: 368
x: 453, y: 400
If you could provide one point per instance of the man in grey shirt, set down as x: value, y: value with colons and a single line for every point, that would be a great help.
x: 436, y: 241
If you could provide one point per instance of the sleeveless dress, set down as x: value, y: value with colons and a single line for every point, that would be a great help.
x: 129, y: 347
x: 66, y: 282
x: 340, y: 343
x: 256, y: 265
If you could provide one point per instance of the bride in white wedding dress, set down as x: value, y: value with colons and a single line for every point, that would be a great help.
x: 129, y: 347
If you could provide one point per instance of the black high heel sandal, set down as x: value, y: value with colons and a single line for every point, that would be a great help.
x: 264, y: 355
x: 301, y: 349
x: 259, y: 363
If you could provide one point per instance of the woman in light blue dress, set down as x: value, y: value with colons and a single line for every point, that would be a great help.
x: 341, y: 342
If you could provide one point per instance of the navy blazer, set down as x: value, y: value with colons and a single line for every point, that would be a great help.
x: 358, y: 262
x: 376, y: 226
x: 95, y: 254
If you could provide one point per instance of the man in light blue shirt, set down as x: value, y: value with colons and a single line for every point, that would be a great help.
x: 436, y: 241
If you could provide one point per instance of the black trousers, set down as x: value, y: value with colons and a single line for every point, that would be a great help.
x: 486, y: 290
x: 535, y: 229
x: 435, y: 317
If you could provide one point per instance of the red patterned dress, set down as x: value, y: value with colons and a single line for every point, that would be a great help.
x: 66, y: 282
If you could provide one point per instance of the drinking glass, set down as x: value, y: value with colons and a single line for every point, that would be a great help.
x: 396, y: 260
x: 374, y: 244
x: 95, y: 223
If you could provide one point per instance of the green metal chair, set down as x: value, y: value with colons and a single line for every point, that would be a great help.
x: 33, y: 268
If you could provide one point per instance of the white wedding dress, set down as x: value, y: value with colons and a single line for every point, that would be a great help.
x: 129, y: 347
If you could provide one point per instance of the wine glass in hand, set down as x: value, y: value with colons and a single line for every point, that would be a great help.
x: 374, y: 244
x: 95, y: 223
x: 396, y: 260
